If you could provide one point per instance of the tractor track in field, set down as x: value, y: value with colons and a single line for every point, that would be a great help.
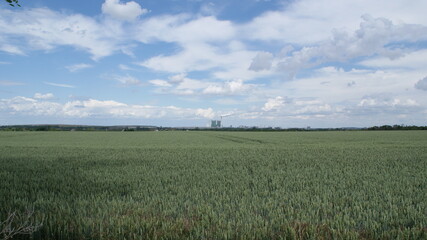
x: 238, y: 139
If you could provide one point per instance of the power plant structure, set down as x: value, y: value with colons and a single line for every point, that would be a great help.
x: 217, y: 123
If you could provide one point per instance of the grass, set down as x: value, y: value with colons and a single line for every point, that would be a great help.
x: 218, y: 185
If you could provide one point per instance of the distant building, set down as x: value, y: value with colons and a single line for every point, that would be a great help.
x: 215, y: 123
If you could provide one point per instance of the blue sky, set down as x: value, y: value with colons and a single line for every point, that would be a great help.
x: 318, y: 63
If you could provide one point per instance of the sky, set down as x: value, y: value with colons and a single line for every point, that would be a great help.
x: 265, y: 63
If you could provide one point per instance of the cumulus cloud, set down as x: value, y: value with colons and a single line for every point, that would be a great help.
x: 422, y: 84
x: 98, y: 108
x: 43, y: 96
x: 78, y: 67
x: 292, y: 23
x: 262, y: 61
x: 30, y: 106
x: 274, y: 103
x: 372, y: 38
x: 123, y: 11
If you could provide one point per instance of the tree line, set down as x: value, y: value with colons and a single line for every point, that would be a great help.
x: 397, y: 127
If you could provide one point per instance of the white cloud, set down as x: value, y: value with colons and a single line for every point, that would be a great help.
x: 177, y: 78
x: 311, y: 109
x: 196, y: 57
x: 185, y: 30
x: 180, y: 84
x: 262, y: 61
x: 10, y: 83
x: 414, y: 60
x: 330, y: 84
x: 317, y: 17
x: 350, y: 38
x: 124, y: 67
x: 92, y: 108
x: 222, y: 64
x: 11, y: 49
x: 206, y: 113
x: 422, y: 84
x: 127, y: 80
x: 274, y: 103
x: 192, y: 84
x: 43, y: 96
x: 234, y: 87
x: 44, y: 29
x: 59, y: 85
x: 29, y: 106
x: 129, y: 11
x: 370, y: 39
x: 160, y: 83
x: 228, y: 101
x: 77, y: 67
x: 393, y: 106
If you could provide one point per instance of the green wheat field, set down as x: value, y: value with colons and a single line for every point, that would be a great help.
x: 217, y: 185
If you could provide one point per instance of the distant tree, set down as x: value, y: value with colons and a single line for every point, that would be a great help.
x: 13, y: 3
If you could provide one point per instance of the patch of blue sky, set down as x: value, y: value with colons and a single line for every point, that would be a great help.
x: 406, y: 45
x: 244, y: 11
x: 88, y: 8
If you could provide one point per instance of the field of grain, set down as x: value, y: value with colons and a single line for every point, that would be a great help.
x: 217, y: 185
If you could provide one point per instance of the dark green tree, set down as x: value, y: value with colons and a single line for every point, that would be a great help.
x: 13, y: 3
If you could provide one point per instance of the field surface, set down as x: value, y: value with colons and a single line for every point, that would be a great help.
x: 217, y: 185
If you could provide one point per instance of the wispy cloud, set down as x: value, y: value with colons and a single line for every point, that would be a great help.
x: 78, y: 67
x: 10, y: 83
x: 11, y: 49
x: 127, y: 80
x: 125, y: 67
x: 45, y: 29
x: 59, y: 85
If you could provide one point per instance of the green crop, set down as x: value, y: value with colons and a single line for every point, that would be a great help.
x: 217, y: 185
